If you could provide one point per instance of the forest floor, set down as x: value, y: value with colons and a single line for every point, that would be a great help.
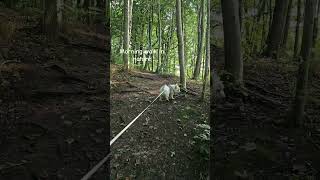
x: 249, y: 140
x: 53, y: 104
x: 159, y: 144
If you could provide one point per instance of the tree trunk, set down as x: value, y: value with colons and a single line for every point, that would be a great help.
x: 297, y: 35
x: 86, y: 5
x: 159, y: 37
x: 212, y: 114
x: 149, y: 38
x: 270, y: 13
x: 74, y: 4
x: 60, y: 14
x: 180, y: 36
x: 207, y: 63
x: 126, y: 36
x: 254, y: 27
x: 130, y: 17
x: 262, y: 7
x: 264, y: 24
x: 141, y: 47
x: 240, y: 13
x: 81, y: 3
x: 315, y: 27
x: 152, y: 58
x: 297, y: 113
x: 200, y: 41
x: 50, y: 19
x: 168, y: 45
x: 231, y: 29
x: 287, y: 25
x: 276, y: 30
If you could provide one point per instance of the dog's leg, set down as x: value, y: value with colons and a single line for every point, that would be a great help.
x: 171, y: 96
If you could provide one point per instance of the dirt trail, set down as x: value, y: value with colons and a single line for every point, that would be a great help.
x: 159, y: 143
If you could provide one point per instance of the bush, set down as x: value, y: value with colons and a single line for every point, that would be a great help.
x: 202, y: 140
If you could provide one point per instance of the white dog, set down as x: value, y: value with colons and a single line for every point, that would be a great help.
x: 169, y: 91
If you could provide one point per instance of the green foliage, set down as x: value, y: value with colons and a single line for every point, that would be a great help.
x: 23, y: 4
x: 202, y: 140
x: 142, y: 14
x: 254, y: 36
x: 316, y: 49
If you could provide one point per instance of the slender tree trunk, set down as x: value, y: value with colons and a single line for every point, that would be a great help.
x: 107, y: 5
x: 254, y: 26
x: 297, y: 35
x: 60, y: 14
x: 159, y: 37
x: 202, y: 70
x: 297, y: 113
x: 163, y: 59
x: 207, y: 63
x: 169, y: 41
x: 200, y: 41
x: 212, y: 114
x: 130, y: 17
x: 81, y: 3
x: 86, y: 8
x: 287, y: 25
x: 277, y: 28
x: 194, y: 57
x: 231, y: 29
x: 135, y: 55
x: 149, y: 37
x: 240, y: 13
x: 262, y: 7
x: 316, y: 24
x: 50, y: 19
x: 74, y: 4
x: 126, y: 36
x: 195, y: 53
x: 270, y: 13
x: 264, y: 24
x: 141, y: 42
x: 180, y: 36
x: 152, y: 58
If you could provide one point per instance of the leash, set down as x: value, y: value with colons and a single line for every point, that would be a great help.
x: 97, y: 166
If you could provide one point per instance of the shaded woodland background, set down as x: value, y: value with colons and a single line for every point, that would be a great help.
x: 268, y: 126
x: 53, y: 88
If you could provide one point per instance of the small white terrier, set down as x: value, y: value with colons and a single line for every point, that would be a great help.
x: 169, y: 91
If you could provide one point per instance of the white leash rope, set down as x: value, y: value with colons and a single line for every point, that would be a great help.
x: 124, y: 129
x: 97, y: 166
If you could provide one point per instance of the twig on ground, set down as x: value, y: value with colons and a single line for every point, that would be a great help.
x: 13, y: 165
